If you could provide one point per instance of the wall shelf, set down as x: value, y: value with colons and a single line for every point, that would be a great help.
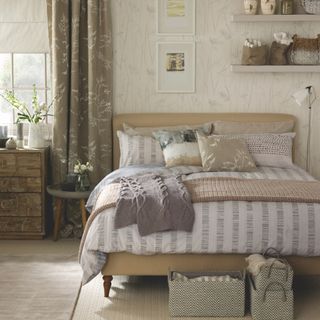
x: 278, y: 69
x: 275, y: 18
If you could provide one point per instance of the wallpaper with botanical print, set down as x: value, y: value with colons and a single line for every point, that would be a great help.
x: 219, y: 43
x: 81, y: 55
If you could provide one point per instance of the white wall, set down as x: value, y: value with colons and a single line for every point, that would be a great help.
x: 219, y: 44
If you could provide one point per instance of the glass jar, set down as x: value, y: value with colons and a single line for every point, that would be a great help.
x: 286, y: 7
x: 83, y: 182
x: 20, y: 135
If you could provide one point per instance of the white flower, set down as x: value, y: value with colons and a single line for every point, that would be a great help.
x: 81, y: 168
x: 76, y: 168
x: 44, y: 107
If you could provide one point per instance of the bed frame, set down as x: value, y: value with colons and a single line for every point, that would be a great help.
x: 129, y: 264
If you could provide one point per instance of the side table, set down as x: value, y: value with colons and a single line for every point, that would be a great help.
x: 60, y: 196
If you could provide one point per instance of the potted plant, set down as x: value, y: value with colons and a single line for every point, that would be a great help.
x: 35, y: 115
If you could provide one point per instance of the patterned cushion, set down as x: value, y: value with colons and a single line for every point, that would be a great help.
x: 224, y: 154
x: 147, y: 131
x: 236, y: 127
x: 269, y: 150
x: 179, y: 147
x: 135, y: 150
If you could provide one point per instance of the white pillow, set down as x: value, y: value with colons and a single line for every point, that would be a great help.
x: 135, y: 150
x: 268, y: 149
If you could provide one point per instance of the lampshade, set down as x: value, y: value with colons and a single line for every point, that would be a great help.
x: 301, y: 97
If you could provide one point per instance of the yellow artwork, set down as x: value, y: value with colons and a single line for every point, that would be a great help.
x: 175, y: 8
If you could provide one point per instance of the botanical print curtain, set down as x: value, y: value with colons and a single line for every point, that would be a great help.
x: 81, y: 55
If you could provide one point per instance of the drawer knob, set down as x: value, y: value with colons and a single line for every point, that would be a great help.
x: 8, y: 204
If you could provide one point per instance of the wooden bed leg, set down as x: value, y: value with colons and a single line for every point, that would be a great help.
x: 107, y: 285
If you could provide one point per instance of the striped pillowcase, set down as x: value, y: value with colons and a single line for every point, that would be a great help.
x: 136, y: 150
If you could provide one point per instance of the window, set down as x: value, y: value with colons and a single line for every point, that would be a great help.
x: 18, y: 73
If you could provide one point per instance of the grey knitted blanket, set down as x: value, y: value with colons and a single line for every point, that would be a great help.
x: 155, y: 203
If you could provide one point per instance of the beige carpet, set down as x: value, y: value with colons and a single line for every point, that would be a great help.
x: 146, y: 298
x: 38, y: 286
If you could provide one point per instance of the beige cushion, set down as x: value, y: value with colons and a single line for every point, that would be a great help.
x: 180, y: 148
x: 234, y: 127
x: 224, y: 154
x: 268, y: 149
x: 207, y: 128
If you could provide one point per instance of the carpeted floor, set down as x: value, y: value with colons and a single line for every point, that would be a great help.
x: 146, y: 298
x: 39, y: 280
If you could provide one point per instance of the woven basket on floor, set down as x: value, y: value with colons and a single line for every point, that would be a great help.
x: 207, y: 298
x: 311, y: 6
x: 272, y: 273
x: 272, y: 303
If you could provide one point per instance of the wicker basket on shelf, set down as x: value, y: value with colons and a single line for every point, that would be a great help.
x: 311, y: 6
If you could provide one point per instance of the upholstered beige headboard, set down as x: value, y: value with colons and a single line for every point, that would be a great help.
x: 171, y: 119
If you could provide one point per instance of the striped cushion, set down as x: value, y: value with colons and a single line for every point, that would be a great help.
x: 135, y: 150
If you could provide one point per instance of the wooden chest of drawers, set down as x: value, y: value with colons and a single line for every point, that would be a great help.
x: 22, y: 193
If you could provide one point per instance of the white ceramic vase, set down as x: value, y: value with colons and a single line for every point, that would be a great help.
x: 268, y: 6
x: 250, y: 6
x: 36, y: 137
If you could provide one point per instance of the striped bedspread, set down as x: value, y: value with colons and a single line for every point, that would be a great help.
x: 219, y: 227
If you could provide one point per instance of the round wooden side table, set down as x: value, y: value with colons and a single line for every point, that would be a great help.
x: 60, y: 196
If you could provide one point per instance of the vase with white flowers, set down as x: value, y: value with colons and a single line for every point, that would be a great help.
x: 35, y: 114
x: 82, y: 171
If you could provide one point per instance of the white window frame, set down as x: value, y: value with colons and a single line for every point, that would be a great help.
x: 12, y: 88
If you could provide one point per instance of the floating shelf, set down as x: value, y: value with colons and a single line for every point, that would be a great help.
x: 269, y: 68
x: 275, y: 18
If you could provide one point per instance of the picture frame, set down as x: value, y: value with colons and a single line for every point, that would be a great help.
x: 175, y: 67
x: 176, y: 17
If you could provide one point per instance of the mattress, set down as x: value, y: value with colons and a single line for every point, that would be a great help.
x: 219, y: 227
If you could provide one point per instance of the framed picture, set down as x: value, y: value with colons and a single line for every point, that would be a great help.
x: 175, y: 67
x: 176, y: 17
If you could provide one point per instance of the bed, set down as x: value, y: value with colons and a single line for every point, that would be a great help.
x: 126, y: 263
